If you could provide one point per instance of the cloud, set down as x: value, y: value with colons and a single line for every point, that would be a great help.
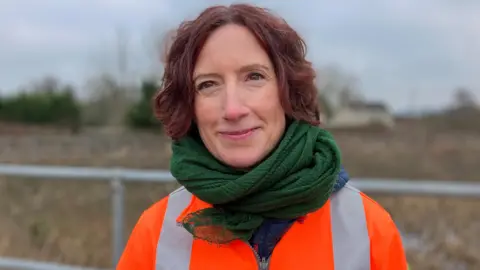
x: 67, y: 38
x: 394, y: 47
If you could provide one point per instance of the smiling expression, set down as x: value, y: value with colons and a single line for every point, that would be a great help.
x: 237, y: 107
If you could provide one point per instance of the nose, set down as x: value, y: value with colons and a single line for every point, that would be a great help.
x: 234, y: 104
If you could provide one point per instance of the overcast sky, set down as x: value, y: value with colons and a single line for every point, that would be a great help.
x: 400, y: 50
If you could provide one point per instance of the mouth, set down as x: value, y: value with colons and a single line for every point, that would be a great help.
x: 238, y: 134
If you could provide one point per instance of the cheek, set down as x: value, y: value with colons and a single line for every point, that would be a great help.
x: 205, y: 112
x: 273, y: 112
x: 270, y: 104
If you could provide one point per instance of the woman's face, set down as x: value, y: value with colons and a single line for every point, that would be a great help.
x: 237, y: 105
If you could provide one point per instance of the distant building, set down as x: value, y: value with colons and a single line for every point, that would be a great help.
x: 361, y: 114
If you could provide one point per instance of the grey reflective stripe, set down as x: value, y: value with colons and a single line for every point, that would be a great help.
x: 351, y: 242
x: 175, y: 244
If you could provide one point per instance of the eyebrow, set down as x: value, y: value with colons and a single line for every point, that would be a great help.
x: 254, y: 66
x: 242, y: 69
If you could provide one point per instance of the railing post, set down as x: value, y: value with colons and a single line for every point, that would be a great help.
x: 117, y: 217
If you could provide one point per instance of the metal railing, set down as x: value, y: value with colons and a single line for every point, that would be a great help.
x: 117, y: 177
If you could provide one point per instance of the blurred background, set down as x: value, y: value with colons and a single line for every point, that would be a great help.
x: 399, y: 89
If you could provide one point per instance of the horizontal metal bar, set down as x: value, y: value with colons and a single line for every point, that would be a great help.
x: 21, y: 264
x: 417, y: 187
x: 392, y: 186
x: 87, y: 173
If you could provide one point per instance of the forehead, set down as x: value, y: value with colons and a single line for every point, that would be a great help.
x: 230, y: 47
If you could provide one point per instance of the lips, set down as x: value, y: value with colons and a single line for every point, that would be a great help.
x: 238, y: 134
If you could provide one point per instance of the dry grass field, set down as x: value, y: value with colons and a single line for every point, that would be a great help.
x: 69, y: 221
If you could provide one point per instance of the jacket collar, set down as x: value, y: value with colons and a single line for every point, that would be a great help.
x: 195, y: 205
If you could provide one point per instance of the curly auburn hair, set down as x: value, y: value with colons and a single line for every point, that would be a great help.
x: 174, y: 102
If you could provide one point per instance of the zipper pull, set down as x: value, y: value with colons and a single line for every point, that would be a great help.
x: 264, y: 264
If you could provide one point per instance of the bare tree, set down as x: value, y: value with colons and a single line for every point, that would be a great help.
x: 108, y: 101
x: 464, y: 98
x: 337, y: 87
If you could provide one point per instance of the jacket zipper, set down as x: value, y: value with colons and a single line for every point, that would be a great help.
x: 262, y: 263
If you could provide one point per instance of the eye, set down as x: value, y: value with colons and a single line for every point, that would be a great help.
x: 205, y: 84
x: 255, y: 76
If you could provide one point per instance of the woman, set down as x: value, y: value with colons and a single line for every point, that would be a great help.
x: 262, y: 184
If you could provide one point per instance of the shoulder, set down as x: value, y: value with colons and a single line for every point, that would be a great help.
x: 148, y: 227
x: 140, y: 250
x: 152, y: 218
x: 387, y: 251
x: 379, y: 221
x: 374, y: 212
x: 357, y: 204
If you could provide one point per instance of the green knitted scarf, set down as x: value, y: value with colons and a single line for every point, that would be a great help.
x: 295, y: 179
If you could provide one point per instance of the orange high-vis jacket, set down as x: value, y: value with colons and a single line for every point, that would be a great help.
x: 350, y: 232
